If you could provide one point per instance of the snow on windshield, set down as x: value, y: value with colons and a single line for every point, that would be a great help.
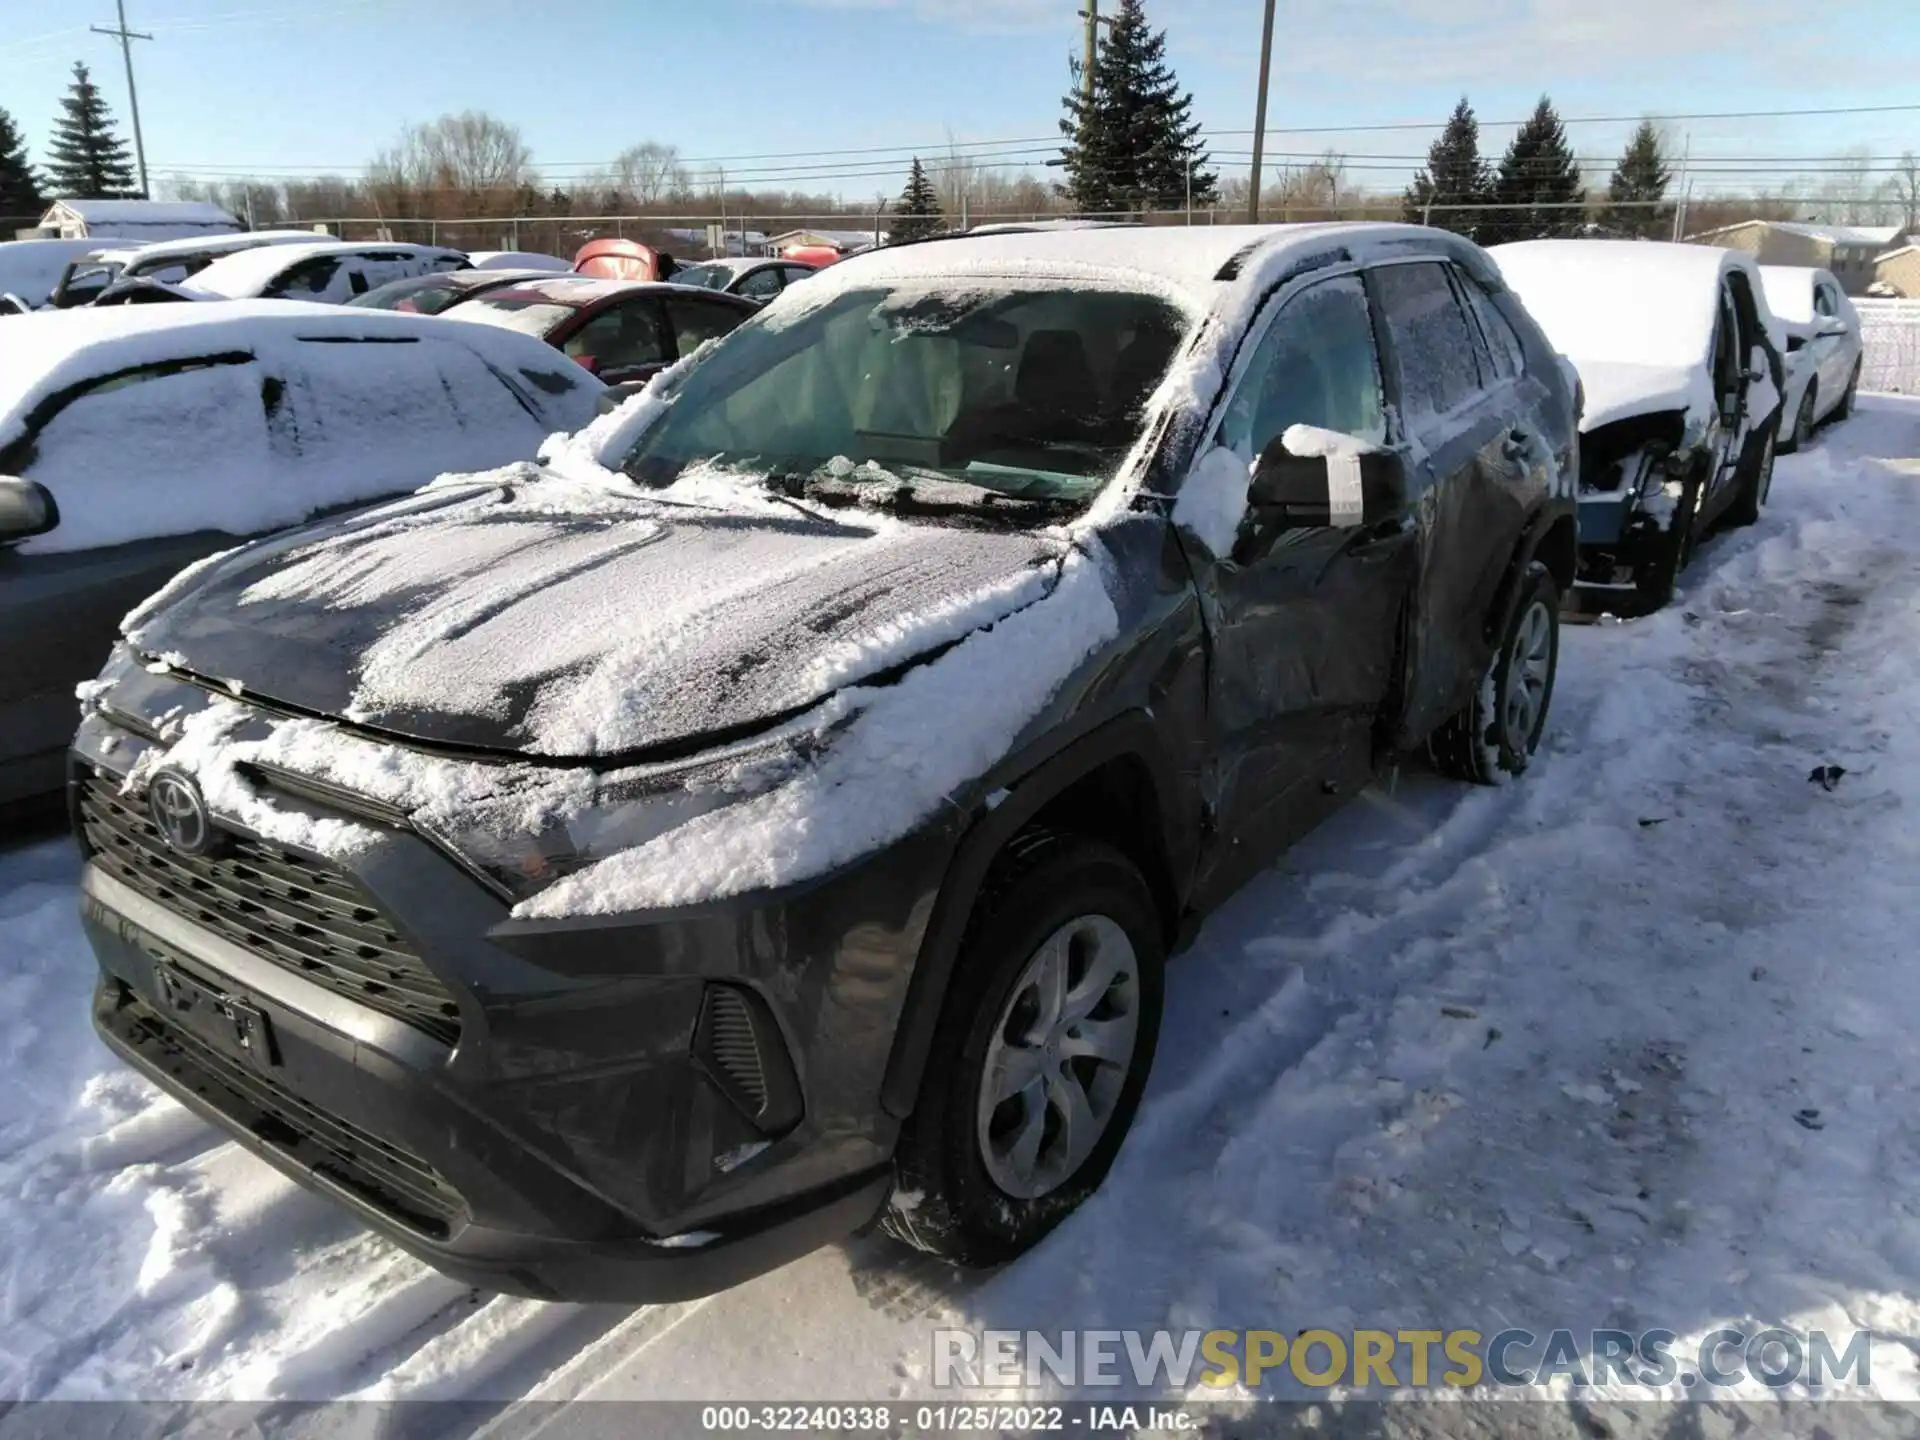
x: 1027, y: 391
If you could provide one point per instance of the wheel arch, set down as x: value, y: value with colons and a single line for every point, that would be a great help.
x: 1116, y: 783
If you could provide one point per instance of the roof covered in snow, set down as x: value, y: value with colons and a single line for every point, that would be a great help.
x: 1833, y: 234
x: 204, y: 244
x: 241, y: 276
x: 52, y: 350
x: 1191, y: 259
x: 133, y: 219
x: 1790, y: 291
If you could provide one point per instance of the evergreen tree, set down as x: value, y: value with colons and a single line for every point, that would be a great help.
x: 1538, y: 184
x: 20, y: 198
x: 1455, y: 176
x: 1136, y: 144
x: 917, y: 216
x: 86, y: 160
x: 1639, y: 183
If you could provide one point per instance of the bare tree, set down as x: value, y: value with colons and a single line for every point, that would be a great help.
x: 649, y: 171
x: 454, y: 163
x: 957, y: 177
x: 1902, y: 190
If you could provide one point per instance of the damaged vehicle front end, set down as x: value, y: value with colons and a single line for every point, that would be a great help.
x: 1683, y: 372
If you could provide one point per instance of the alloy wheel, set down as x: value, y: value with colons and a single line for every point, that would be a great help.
x: 1527, y: 674
x: 1059, y: 1058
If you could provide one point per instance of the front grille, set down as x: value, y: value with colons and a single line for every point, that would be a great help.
x: 396, y: 1183
x: 282, y: 906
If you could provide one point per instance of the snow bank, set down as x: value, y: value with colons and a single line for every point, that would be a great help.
x: 909, y: 746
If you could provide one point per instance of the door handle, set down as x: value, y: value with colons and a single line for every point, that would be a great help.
x: 1514, y: 446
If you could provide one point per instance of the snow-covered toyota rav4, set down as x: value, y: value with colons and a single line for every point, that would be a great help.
x: 616, y: 876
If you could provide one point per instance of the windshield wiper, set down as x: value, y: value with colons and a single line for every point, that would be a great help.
x: 937, y: 496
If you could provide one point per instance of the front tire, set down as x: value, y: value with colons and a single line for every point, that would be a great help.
x: 1802, y: 421
x: 1754, y: 487
x: 1041, y: 1054
x: 1493, y: 739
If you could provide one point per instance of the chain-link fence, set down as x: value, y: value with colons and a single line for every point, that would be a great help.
x: 1890, y: 336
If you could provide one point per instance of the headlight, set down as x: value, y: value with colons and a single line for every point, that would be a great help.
x: 629, y: 808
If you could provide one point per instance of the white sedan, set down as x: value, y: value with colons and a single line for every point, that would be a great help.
x: 1823, y: 348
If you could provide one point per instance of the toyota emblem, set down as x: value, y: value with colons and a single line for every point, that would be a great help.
x: 180, y: 814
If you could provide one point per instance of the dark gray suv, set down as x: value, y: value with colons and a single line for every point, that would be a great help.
x: 772, y: 813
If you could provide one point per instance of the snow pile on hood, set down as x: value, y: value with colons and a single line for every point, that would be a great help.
x: 909, y: 746
x: 1637, y: 318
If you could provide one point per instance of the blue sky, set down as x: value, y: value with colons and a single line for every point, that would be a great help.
x: 271, y: 86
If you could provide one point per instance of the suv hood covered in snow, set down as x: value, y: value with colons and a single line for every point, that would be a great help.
x: 566, y: 621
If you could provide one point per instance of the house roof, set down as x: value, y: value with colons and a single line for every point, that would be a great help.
x: 1833, y: 234
x: 146, y: 212
x: 1908, y: 249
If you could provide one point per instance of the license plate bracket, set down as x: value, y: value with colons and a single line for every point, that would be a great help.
x: 236, y: 1026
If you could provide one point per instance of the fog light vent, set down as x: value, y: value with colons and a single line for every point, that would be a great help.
x: 739, y: 1046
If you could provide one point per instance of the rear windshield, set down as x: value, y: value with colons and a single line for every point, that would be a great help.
x: 530, y: 315
x: 1029, y: 392
x: 708, y: 277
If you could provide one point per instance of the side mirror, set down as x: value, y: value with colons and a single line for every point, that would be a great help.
x: 1295, y: 492
x: 1831, y: 325
x: 26, y: 510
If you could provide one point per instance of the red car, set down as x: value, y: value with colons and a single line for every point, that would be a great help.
x: 621, y: 330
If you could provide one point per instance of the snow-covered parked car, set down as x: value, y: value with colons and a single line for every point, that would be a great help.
x: 617, y: 877
x: 135, y: 441
x: 166, y: 261
x: 29, y: 269
x: 328, y: 272
x: 1682, y: 367
x: 1824, y: 351
x: 533, y: 260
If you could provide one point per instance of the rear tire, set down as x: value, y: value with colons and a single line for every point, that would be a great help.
x: 968, y: 1189
x: 1754, y: 487
x: 1492, y: 740
x: 1845, y: 407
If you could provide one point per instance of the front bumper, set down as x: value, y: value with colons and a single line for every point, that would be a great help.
x: 572, y: 1137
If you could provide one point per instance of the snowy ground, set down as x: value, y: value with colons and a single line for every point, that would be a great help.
x: 1529, y: 1056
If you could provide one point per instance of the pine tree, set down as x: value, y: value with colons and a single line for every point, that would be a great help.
x: 1538, y: 185
x: 20, y: 197
x: 1136, y: 145
x: 918, y: 213
x: 1639, y: 183
x: 1455, y: 176
x: 86, y: 160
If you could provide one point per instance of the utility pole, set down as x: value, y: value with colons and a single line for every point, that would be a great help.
x: 126, y: 37
x: 1260, y: 116
x: 1094, y: 20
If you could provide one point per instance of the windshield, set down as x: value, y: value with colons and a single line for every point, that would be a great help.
x: 515, y: 312
x: 710, y: 277
x: 1035, y: 393
x: 416, y: 295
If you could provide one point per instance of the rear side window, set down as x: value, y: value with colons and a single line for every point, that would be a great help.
x: 357, y: 420
x: 618, y: 342
x: 1823, y: 301
x: 1316, y: 365
x: 762, y: 284
x: 159, y: 452
x: 1508, y: 355
x: 1433, y: 343
x: 695, y: 323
